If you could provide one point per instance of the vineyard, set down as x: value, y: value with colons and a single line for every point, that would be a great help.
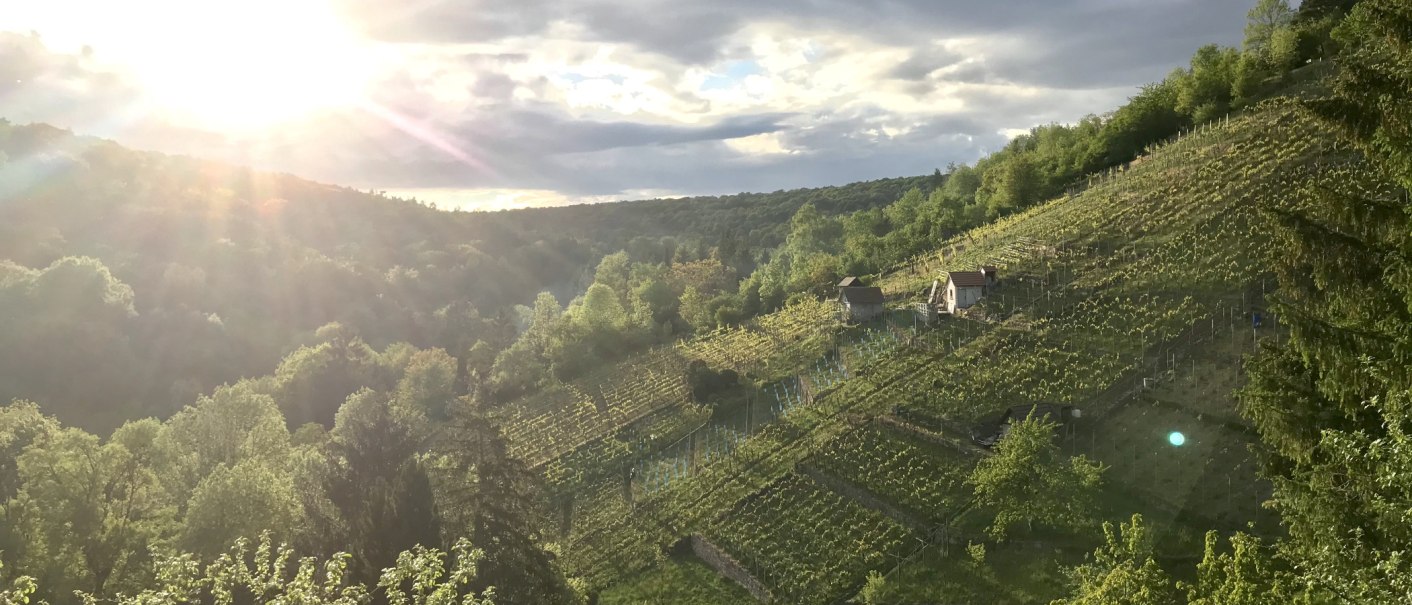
x: 774, y: 345
x: 563, y: 418
x: 1106, y: 297
x: 778, y: 532
x: 925, y: 481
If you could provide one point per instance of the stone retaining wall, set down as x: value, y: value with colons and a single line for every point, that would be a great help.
x: 866, y: 499
x: 726, y: 565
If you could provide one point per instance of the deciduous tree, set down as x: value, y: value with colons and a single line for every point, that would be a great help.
x: 1029, y: 480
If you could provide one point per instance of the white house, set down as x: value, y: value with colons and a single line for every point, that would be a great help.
x: 963, y: 289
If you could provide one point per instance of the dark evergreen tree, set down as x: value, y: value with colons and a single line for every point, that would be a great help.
x: 495, y: 503
x: 1332, y: 406
x: 379, y: 495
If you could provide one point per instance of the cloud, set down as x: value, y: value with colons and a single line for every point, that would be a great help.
x: 70, y: 90
x: 591, y: 99
x: 924, y: 62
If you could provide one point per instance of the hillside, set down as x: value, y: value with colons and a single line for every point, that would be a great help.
x: 1184, y: 378
x: 1130, y: 300
x: 217, y: 272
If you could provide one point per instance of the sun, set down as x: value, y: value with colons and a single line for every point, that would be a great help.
x: 250, y: 64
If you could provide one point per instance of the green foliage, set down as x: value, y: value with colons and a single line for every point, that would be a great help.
x: 1009, y: 186
x: 225, y: 270
x: 376, y: 481
x: 1149, y: 116
x: 241, y: 501
x: 873, y: 588
x: 429, y: 383
x: 1331, y: 405
x: 1122, y: 570
x: 314, y: 381
x: 976, y: 550
x: 492, y: 498
x: 233, y: 424
x: 19, y: 590
x: 1244, y: 576
x: 1263, y: 21
x: 1028, y: 480
x: 706, y: 382
x: 1204, y: 91
x: 688, y: 582
x: 421, y: 576
x: 72, y: 314
x: 87, y: 511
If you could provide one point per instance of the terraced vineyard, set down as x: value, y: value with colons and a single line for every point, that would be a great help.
x: 925, y: 481
x: 563, y: 418
x: 772, y: 346
x: 1104, y: 294
x: 778, y: 532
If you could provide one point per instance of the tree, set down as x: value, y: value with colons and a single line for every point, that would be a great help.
x: 961, y: 185
x: 1148, y: 117
x: 1267, y: 17
x: 21, y: 426
x: 89, y: 510
x: 314, y: 381
x: 1247, y: 575
x: 19, y: 590
x: 1008, y: 186
x: 429, y: 383
x: 242, y: 501
x: 600, y: 313
x: 233, y: 424
x: 811, y: 232
x: 1029, y: 480
x: 524, y: 365
x: 656, y: 300
x: 1314, y: 10
x: 1122, y: 570
x: 1204, y: 92
x: 1332, y: 403
x: 613, y: 271
x: 494, y: 498
x: 420, y: 576
x: 479, y: 360
x: 72, y: 314
x: 375, y: 479
x: 694, y: 311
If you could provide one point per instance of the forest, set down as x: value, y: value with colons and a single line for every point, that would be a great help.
x: 225, y: 385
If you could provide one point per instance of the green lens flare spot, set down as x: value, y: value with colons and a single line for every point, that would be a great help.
x: 1176, y: 438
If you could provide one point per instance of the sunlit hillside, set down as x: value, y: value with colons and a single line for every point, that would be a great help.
x: 847, y: 448
x: 218, y: 271
x: 1147, y: 351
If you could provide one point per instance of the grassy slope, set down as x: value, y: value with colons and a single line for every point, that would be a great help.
x: 1148, y: 275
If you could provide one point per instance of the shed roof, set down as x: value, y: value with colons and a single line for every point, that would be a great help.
x: 967, y: 279
x: 852, y: 282
x: 863, y: 296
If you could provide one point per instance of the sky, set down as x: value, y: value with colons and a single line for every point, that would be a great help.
x: 483, y: 104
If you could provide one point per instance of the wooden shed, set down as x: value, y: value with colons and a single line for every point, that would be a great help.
x: 861, y: 303
x: 852, y: 282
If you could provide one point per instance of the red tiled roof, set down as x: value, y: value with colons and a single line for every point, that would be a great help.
x: 967, y: 279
